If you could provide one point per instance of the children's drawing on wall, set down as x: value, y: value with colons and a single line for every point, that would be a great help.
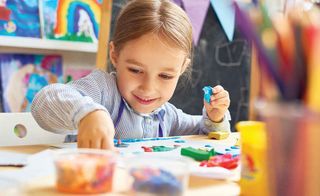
x: 22, y: 76
x: 76, y: 20
x: 13, y: 24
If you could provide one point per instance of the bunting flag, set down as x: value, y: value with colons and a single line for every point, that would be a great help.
x: 226, y: 15
x: 197, y: 11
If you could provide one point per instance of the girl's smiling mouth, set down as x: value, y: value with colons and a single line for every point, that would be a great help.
x: 144, y: 101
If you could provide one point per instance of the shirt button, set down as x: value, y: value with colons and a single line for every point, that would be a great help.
x: 148, y: 121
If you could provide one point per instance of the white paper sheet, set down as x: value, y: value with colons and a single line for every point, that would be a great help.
x: 38, y: 165
x: 13, y: 159
x: 195, y: 169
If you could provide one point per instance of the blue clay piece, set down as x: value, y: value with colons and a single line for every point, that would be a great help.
x: 146, y: 139
x: 207, y: 93
x: 180, y: 141
x: 122, y: 145
x: 233, y: 151
x: 207, y: 145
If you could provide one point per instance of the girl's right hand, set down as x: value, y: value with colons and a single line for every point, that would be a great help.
x: 96, y: 130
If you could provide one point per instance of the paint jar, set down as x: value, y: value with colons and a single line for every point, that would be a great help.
x: 84, y: 171
x: 158, y: 175
x: 254, y: 172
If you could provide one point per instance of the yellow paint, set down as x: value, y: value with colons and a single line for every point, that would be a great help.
x: 313, y: 83
x: 253, y: 158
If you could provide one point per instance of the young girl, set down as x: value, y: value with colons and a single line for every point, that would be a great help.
x: 150, y: 50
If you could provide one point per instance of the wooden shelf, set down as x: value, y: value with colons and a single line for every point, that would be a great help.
x: 46, y: 44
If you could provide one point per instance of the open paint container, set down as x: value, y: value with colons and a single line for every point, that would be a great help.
x: 158, y: 175
x: 84, y: 171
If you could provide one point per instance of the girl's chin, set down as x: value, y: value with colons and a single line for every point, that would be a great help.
x: 144, y: 111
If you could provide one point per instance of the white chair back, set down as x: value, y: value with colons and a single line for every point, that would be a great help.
x: 21, y: 129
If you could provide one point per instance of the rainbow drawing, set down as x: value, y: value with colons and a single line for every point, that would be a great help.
x: 73, y: 20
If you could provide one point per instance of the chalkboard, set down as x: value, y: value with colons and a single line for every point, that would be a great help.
x: 216, y: 61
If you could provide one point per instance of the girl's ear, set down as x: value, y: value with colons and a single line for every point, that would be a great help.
x: 113, y: 54
x: 185, y: 65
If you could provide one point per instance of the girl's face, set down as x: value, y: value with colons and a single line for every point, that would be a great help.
x: 147, y: 71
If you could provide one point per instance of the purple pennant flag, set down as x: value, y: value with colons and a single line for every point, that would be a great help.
x: 197, y: 11
x: 178, y: 2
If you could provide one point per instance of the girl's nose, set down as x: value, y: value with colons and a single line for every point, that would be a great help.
x: 147, y: 84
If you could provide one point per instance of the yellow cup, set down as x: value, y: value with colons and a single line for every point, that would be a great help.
x: 253, y: 158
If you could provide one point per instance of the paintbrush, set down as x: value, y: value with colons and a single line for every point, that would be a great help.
x: 248, y: 31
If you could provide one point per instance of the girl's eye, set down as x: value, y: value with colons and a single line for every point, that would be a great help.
x: 134, y: 70
x: 166, y: 77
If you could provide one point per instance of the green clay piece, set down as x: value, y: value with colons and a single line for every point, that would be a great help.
x: 199, y: 155
x: 161, y: 148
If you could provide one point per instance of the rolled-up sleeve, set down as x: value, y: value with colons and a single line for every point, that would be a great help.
x: 60, y: 107
x: 181, y: 123
x: 210, y: 126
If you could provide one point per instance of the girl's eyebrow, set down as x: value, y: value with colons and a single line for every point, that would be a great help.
x: 170, y: 69
x: 166, y: 69
x: 133, y: 61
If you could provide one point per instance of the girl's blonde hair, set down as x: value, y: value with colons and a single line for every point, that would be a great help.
x: 161, y: 17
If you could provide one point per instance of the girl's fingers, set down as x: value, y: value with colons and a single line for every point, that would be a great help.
x: 79, y: 144
x: 221, y: 101
x: 222, y: 104
x: 106, y: 144
x: 83, y: 144
x: 217, y: 89
x: 217, y: 103
x: 96, y: 143
x: 220, y: 95
x: 206, y: 104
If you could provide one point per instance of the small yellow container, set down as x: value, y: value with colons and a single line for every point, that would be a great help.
x: 218, y: 135
x: 254, y: 180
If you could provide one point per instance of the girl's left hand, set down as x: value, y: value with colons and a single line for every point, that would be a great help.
x: 219, y: 104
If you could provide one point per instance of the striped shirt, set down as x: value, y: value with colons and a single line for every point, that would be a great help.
x: 60, y: 107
